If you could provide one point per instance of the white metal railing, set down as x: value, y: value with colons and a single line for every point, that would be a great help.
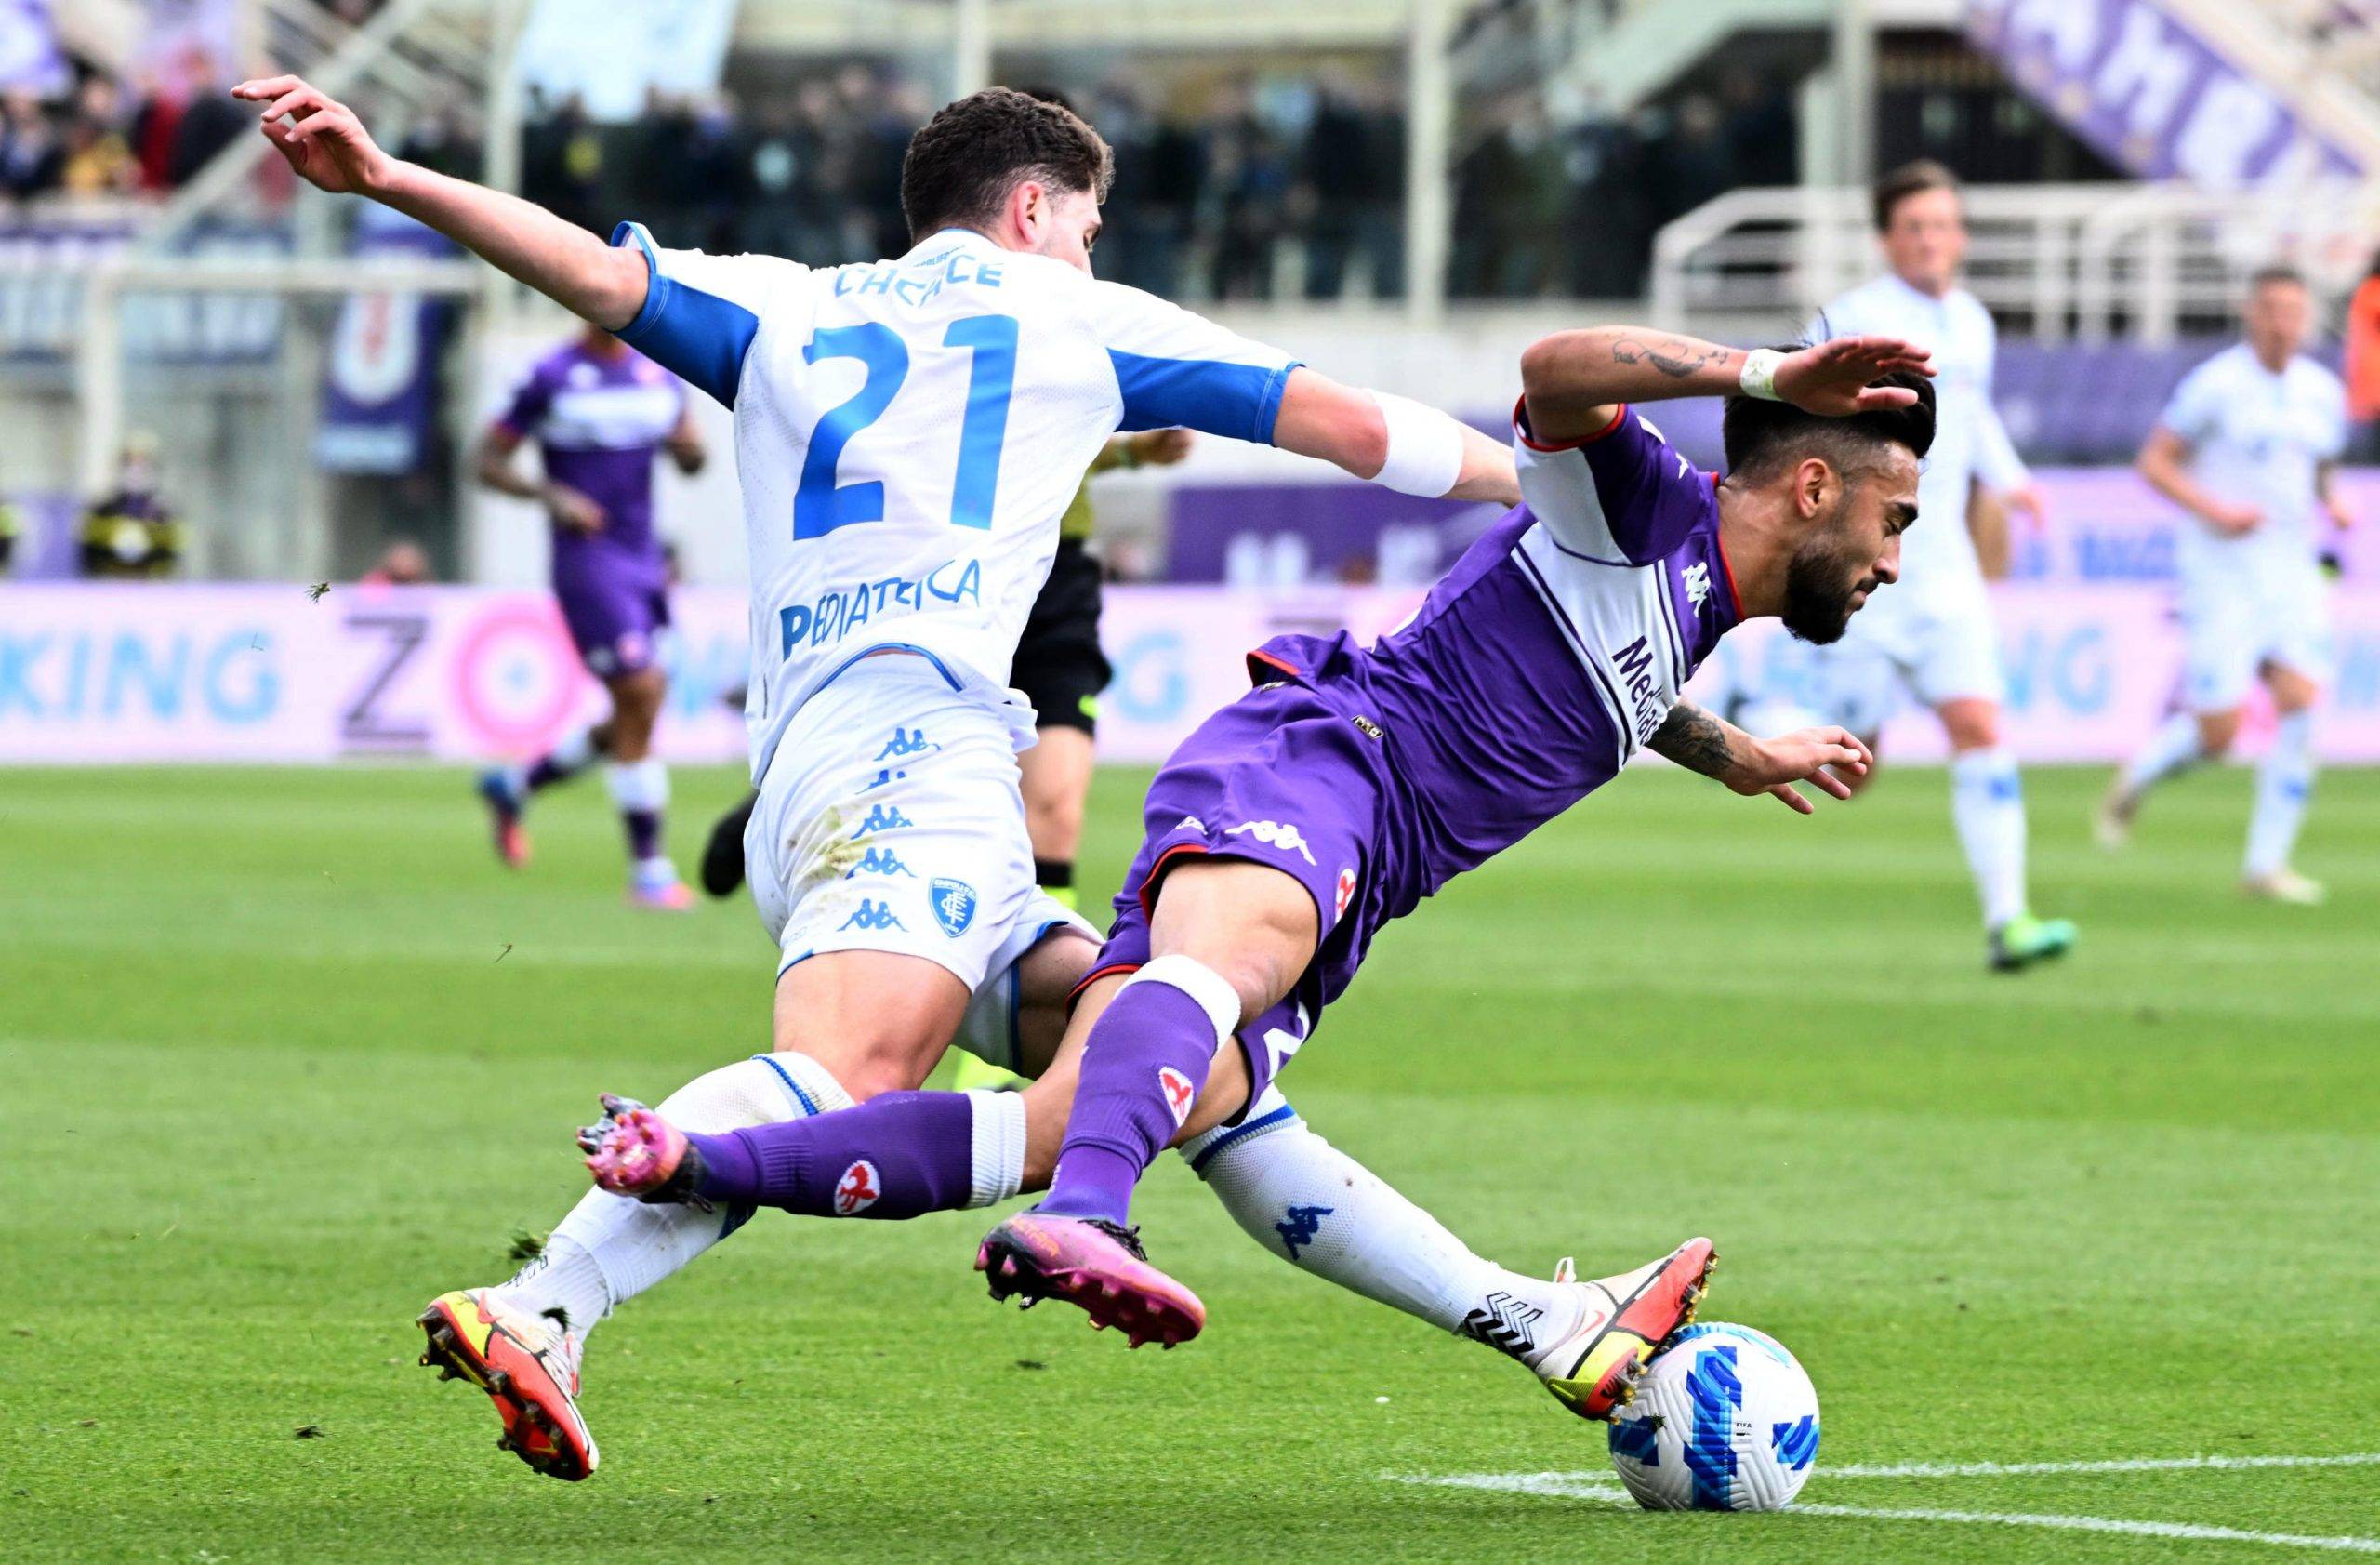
x: 2083, y: 261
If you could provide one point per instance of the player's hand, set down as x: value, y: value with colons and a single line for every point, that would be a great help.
x: 322, y: 140
x: 572, y: 509
x: 2341, y: 518
x: 1161, y: 449
x: 2225, y: 516
x: 1819, y: 756
x: 1835, y: 379
x: 2029, y: 498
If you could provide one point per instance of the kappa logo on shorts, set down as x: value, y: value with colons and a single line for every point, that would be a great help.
x: 1179, y: 1092
x: 1346, y: 893
x: 905, y: 743
x: 1272, y: 835
x: 879, y: 861
x: 954, y: 905
x: 858, y: 1189
x: 881, y: 818
x: 873, y: 915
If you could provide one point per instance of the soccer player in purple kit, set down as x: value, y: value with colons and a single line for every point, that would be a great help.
x: 1354, y: 781
x: 599, y: 413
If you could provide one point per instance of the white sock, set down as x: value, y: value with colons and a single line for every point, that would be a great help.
x: 638, y: 785
x: 2173, y: 749
x: 995, y: 1147
x: 1302, y: 1198
x: 609, y: 1248
x: 2284, y: 778
x: 1988, y: 802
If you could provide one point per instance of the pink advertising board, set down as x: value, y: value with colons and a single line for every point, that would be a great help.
x: 262, y: 674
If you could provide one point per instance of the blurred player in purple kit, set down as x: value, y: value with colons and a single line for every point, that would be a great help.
x: 599, y: 412
x: 1354, y: 781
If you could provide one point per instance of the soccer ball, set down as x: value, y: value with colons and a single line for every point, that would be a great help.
x: 1724, y: 1420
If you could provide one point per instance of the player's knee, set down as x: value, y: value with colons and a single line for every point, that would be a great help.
x: 2217, y: 731
x: 1971, y: 724
x: 1054, y: 824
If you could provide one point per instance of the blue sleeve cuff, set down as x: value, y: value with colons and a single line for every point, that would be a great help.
x: 1238, y: 402
x: 698, y: 337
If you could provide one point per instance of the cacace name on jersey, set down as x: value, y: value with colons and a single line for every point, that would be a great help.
x: 908, y: 433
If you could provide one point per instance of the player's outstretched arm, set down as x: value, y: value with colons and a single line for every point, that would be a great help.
x: 1701, y: 742
x: 1393, y: 440
x: 329, y: 148
x: 1575, y: 381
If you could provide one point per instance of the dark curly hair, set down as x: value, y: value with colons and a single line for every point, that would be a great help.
x: 1761, y: 436
x: 964, y: 162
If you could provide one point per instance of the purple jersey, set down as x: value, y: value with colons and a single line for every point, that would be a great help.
x: 1532, y: 673
x: 599, y: 421
x: 1541, y: 663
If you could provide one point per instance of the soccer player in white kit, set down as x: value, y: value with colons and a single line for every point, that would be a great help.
x: 1933, y: 635
x: 908, y: 435
x: 2248, y: 446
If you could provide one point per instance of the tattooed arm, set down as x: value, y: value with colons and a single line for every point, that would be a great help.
x: 1701, y: 742
x: 1574, y: 381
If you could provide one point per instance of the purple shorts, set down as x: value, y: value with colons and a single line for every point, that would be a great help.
x: 614, y: 619
x: 1284, y: 778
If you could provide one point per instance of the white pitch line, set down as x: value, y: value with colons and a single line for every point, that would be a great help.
x: 2098, y: 1524
x: 1603, y: 1488
x: 2129, y: 1465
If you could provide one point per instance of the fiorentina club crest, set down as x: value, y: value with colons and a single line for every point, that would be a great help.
x: 1346, y: 893
x: 954, y: 906
x: 858, y: 1189
x: 1177, y: 1093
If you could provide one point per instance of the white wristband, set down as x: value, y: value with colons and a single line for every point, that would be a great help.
x: 1759, y: 377
x: 1424, y: 448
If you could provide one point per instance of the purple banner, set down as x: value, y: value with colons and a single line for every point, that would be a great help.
x: 2156, y: 96
x: 380, y: 384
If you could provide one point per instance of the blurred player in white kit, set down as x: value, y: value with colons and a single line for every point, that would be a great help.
x: 2249, y: 446
x: 1932, y: 633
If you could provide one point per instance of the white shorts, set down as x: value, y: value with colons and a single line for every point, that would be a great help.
x: 2233, y: 628
x: 1938, y: 652
x: 890, y: 820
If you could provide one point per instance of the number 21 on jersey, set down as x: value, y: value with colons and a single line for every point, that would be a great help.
x: 821, y: 504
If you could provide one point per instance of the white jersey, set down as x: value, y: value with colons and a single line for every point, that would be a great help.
x: 2257, y: 438
x: 1939, y: 572
x: 908, y: 433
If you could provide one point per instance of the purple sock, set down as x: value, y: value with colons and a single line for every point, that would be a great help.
x: 1145, y: 1062
x: 548, y: 772
x: 644, y: 834
x: 901, y: 1155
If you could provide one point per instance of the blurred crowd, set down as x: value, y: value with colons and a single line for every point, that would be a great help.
x: 99, y: 139
x: 1258, y: 187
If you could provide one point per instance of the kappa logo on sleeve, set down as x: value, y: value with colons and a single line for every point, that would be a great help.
x: 1273, y: 834
x: 1179, y: 1092
x: 954, y: 905
x: 1698, y: 584
x: 858, y: 1189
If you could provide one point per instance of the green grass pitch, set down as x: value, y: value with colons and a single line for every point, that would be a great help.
x: 284, y: 1054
